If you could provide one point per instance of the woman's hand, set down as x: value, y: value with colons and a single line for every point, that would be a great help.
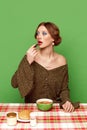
x: 31, y: 54
x: 68, y: 107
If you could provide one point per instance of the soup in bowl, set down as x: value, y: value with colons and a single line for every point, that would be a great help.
x: 44, y: 104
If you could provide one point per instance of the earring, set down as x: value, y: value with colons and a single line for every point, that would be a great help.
x: 52, y: 43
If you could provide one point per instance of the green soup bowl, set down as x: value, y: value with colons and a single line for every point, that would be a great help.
x: 44, y: 104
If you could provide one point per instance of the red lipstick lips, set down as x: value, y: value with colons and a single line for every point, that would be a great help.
x: 39, y: 42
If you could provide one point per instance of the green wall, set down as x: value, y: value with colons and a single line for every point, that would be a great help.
x: 18, y: 21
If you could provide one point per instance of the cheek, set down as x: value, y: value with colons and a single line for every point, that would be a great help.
x: 48, y: 39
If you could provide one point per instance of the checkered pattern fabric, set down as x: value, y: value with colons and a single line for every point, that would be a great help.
x: 55, y: 119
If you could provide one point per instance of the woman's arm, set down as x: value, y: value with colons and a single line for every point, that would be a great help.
x: 23, y: 78
x: 66, y: 103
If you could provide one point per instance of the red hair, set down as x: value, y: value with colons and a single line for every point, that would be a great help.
x: 53, y: 30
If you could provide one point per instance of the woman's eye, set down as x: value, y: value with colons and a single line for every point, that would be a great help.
x: 44, y: 33
x: 37, y: 33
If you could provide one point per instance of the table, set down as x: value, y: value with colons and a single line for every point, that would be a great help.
x: 55, y: 119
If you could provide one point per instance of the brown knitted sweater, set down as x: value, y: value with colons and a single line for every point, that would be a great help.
x: 34, y: 82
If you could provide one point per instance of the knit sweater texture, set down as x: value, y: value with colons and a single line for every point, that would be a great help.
x: 35, y: 81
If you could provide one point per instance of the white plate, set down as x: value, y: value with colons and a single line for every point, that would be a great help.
x: 22, y: 120
x: 18, y: 119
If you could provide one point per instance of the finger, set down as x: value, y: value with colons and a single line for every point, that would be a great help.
x: 31, y: 47
x: 69, y: 108
x: 31, y: 50
x: 34, y: 52
x: 66, y: 106
x: 36, y: 45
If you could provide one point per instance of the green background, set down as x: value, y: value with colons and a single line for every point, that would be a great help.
x: 18, y: 21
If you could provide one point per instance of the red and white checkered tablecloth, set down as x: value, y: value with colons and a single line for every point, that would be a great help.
x: 55, y: 119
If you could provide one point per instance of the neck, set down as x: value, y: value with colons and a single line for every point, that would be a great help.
x: 47, y: 52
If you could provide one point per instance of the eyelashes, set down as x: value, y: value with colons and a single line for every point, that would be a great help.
x: 43, y: 33
x: 37, y: 33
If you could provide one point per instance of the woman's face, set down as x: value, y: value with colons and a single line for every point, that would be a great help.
x: 43, y: 37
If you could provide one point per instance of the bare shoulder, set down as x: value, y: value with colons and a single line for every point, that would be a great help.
x: 61, y: 60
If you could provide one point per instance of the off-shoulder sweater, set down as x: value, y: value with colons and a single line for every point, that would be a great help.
x: 35, y: 82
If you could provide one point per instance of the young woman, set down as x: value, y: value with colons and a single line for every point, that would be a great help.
x: 43, y: 73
